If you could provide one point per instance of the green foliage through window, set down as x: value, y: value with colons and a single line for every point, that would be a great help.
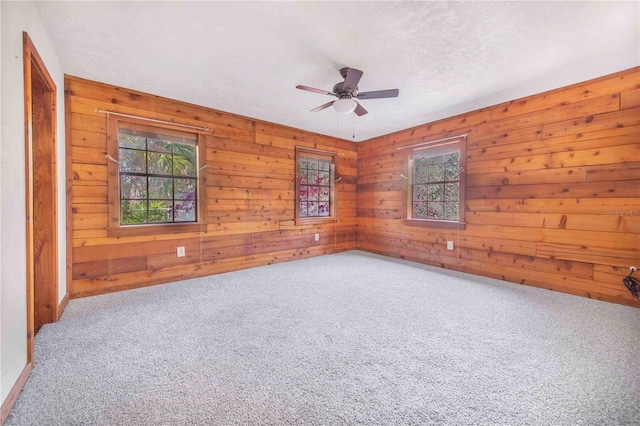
x: 158, y: 178
x: 435, y: 186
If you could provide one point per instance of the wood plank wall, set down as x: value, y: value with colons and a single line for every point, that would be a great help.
x: 553, y: 187
x: 250, y: 196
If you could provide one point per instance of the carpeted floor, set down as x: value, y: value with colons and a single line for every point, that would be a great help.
x: 350, y: 338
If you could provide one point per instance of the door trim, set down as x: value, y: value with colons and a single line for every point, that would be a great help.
x: 34, y: 68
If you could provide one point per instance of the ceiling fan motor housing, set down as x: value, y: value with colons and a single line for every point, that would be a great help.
x: 339, y: 91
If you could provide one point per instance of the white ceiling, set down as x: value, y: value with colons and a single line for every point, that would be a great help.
x: 446, y: 58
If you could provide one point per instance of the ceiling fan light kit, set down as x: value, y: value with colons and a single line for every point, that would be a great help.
x: 346, y: 90
x: 344, y: 106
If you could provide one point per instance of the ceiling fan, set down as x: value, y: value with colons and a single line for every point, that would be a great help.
x: 346, y: 91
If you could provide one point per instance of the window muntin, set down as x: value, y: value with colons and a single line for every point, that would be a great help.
x: 158, y: 178
x: 436, y: 184
x: 315, y: 187
x: 170, y: 133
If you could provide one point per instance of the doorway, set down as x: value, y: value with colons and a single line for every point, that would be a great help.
x: 41, y: 193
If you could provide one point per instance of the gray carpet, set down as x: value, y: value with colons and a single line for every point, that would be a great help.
x: 350, y: 338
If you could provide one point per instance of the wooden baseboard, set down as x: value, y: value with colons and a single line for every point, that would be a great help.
x: 7, y: 405
x: 62, y: 305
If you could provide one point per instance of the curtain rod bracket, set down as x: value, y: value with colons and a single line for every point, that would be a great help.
x: 110, y: 158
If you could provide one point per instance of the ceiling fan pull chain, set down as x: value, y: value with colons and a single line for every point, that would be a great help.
x: 353, y: 125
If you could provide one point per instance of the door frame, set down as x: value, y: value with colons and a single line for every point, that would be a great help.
x: 36, y: 71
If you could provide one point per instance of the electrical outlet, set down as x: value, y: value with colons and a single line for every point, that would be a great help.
x: 180, y: 252
x: 449, y: 245
x: 317, y: 237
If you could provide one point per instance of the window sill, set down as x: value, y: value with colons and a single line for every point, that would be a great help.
x: 314, y: 220
x: 430, y: 223
x: 137, y: 230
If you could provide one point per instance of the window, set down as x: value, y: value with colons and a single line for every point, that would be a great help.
x: 315, y: 181
x: 153, y: 180
x: 436, y: 186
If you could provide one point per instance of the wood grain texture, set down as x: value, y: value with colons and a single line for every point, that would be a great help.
x: 553, y: 183
x: 41, y: 207
x: 249, y: 187
x: 552, y: 196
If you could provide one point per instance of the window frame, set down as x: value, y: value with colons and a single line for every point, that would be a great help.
x: 333, y: 211
x: 418, y: 150
x: 115, y: 228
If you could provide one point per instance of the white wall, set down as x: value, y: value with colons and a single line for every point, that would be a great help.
x: 17, y: 17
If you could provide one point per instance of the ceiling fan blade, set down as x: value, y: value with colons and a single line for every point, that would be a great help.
x: 390, y: 93
x: 360, y: 110
x: 311, y: 89
x: 352, y: 79
x: 321, y: 107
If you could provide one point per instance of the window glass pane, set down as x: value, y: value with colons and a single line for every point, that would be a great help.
x: 160, y: 164
x: 324, y: 194
x: 325, y: 166
x: 133, y: 212
x: 451, y: 192
x: 436, y: 173
x: 184, y: 160
x: 137, y: 142
x: 435, y: 192
x: 453, y: 157
x: 133, y: 187
x: 323, y: 209
x: 303, y: 177
x: 420, y: 210
x: 185, y: 189
x: 184, y: 166
x: 312, y: 208
x: 451, y: 172
x: 435, y: 210
x: 438, y: 159
x: 421, y: 162
x: 160, y: 145
x: 313, y: 193
x: 420, y: 193
x: 312, y: 177
x: 420, y: 170
x: 303, y: 209
x: 186, y: 150
x: 451, y: 211
x: 185, y: 211
x: 304, y: 193
x: 160, y: 188
x: 323, y: 178
x: 132, y: 161
x: 160, y: 211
